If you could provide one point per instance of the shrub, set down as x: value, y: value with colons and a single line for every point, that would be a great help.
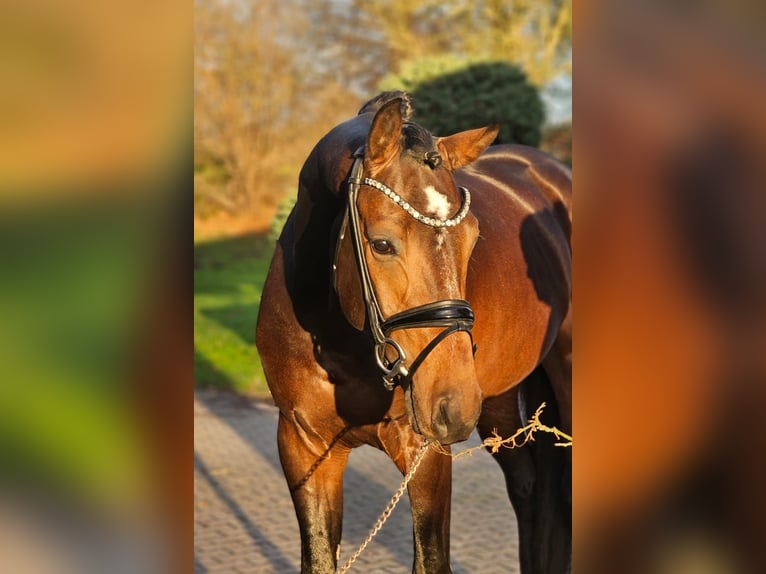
x: 453, y: 94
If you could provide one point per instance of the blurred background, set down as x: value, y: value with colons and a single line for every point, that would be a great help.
x: 111, y: 114
x: 95, y: 181
x: 670, y: 287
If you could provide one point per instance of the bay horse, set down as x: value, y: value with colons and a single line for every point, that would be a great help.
x: 418, y: 284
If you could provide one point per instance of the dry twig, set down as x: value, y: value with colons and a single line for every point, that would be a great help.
x: 495, y: 442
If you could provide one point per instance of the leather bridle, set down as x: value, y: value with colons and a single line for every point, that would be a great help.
x: 454, y: 315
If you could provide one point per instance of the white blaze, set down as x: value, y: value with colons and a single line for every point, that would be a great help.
x: 438, y: 203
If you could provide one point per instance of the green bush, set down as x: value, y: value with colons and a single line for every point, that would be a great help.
x: 280, y: 217
x: 453, y: 94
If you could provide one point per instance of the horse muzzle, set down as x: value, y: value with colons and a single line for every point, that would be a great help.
x: 446, y: 417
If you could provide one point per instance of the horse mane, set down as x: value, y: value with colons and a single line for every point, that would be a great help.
x: 383, y: 98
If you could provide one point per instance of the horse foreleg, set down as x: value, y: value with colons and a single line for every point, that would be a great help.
x: 430, y: 492
x: 314, y: 471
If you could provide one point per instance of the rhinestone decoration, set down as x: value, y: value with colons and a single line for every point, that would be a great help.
x: 432, y: 221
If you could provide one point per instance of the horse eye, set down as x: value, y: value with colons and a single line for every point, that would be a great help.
x: 382, y: 246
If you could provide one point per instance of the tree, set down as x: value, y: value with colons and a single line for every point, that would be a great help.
x: 365, y: 40
x: 271, y: 76
x: 534, y: 34
x: 257, y: 102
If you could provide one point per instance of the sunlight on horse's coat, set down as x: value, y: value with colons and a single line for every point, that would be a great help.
x: 518, y: 198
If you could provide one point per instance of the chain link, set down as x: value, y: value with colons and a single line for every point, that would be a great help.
x: 389, y: 508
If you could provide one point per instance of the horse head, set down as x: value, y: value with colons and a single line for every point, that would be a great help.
x: 402, y: 264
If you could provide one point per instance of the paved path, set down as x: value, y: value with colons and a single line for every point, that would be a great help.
x: 244, y: 519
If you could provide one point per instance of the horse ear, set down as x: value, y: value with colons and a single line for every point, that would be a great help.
x: 462, y: 148
x: 385, y: 133
x: 347, y: 283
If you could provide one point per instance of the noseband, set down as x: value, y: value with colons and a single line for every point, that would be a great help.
x: 453, y: 314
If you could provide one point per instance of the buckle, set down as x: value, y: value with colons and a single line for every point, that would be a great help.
x: 391, y: 370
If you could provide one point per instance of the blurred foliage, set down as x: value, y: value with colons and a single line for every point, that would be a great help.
x: 259, y: 102
x: 280, y: 218
x: 69, y: 302
x: 535, y: 35
x: 454, y: 94
x: 557, y: 141
x: 271, y: 76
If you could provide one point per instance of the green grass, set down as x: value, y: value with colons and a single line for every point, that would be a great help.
x: 228, y: 278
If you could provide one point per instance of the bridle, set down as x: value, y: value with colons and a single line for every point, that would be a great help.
x: 453, y: 314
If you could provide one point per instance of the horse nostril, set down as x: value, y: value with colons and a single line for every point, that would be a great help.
x: 440, y: 419
x: 444, y: 411
x: 448, y: 422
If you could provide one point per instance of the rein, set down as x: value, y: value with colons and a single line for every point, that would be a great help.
x: 454, y: 315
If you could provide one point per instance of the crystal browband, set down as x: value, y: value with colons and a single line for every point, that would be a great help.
x: 432, y: 221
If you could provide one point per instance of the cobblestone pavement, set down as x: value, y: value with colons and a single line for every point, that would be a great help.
x: 244, y: 519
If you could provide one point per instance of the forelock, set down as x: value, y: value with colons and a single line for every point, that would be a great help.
x: 417, y: 141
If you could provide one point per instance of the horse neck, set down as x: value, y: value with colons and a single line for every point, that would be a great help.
x: 311, y: 251
x: 317, y: 212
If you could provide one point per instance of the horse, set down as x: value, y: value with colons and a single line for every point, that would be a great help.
x: 421, y: 288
